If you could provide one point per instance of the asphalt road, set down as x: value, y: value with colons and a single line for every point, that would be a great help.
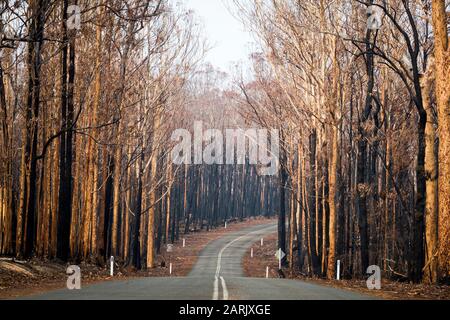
x: 218, y: 275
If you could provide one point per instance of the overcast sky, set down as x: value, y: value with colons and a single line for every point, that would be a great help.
x: 226, y: 35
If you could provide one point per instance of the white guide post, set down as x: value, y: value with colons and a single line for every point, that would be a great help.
x: 280, y: 255
x: 338, y: 272
x: 111, y: 271
x: 279, y: 262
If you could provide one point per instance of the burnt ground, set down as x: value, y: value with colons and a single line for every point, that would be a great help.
x: 391, y: 290
x: 22, y: 278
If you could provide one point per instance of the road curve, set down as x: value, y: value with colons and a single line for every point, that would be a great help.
x: 217, y: 275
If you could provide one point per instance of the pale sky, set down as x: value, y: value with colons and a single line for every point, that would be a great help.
x: 226, y: 35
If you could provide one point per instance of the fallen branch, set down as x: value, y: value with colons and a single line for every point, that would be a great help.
x: 13, y: 260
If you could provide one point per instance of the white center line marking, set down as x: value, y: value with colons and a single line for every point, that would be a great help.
x: 219, y: 264
x: 225, y: 290
x: 216, y: 289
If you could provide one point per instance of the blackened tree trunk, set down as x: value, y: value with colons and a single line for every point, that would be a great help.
x: 314, y: 259
x: 38, y: 11
x: 362, y: 187
x: 66, y: 140
x: 135, y: 252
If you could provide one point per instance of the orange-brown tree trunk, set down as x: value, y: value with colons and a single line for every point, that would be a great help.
x: 442, y: 57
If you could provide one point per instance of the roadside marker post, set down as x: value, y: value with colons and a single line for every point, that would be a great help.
x: 262, y: 242
x: 338, y: 273
x: 251, y: 253
x: 111, y: 271
x: 267, y: 272
x: 280, y: 255
x: 225, y: 224
x: 169, y: 251
x: 184, y: 243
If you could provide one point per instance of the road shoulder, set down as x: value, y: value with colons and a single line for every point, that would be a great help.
x: 264, y: 256
x: 25, y: 278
